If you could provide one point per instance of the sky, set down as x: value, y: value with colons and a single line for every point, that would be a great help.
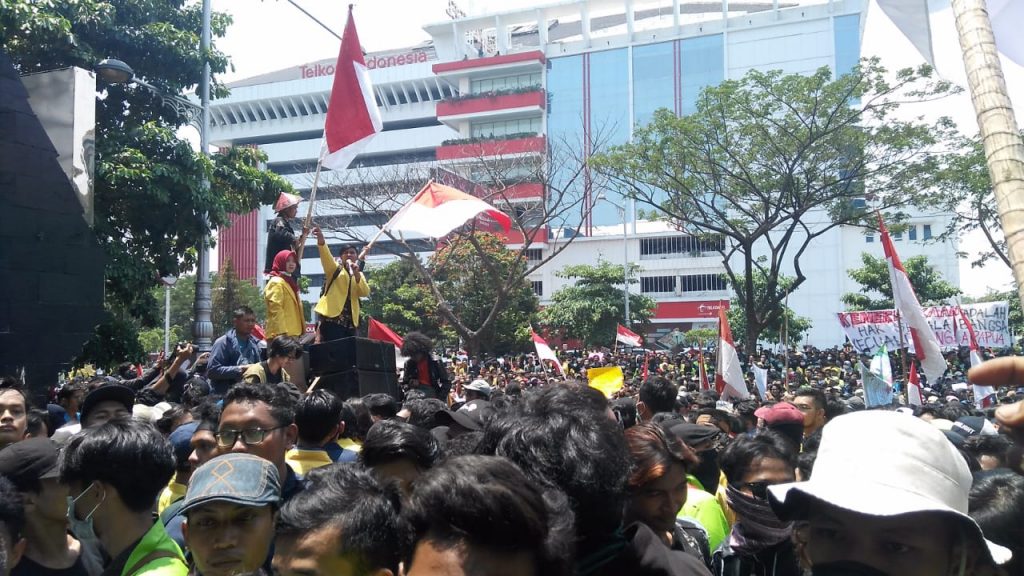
x: 273, y: 34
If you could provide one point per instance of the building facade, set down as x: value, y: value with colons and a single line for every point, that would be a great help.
x: 512, y: 88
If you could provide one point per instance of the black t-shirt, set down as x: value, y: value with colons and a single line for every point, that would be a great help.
x: 28, y: 567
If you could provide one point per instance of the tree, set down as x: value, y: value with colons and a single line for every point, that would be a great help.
x: 228, y: 294
x: 786, y: 322
x: 701, y: 336
x: 591, y: 308
x: 150, y: 196
x: 770, y: 162
x: 964, y: 190
x: 401, y: 299
x: 876, y: 289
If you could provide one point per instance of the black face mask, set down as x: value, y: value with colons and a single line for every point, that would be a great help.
x: 707, y: 471
x: 845, y: 569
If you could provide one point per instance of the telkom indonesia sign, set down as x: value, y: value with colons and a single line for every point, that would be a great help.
x: 326, y: 68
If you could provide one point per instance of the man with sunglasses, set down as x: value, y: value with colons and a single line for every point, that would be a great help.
x: 259, y: 419
x: 759, y: 543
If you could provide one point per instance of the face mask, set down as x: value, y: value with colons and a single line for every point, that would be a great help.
x: 83, y: 529
x: 845, y: 569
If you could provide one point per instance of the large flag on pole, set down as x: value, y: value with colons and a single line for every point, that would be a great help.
x: 627, y: 336
x: 984, y: 396
x: 926, y: 345
x: 353, y: 118
x: 914, y: 396
x: 877, y: 379
x: 380, y: 331
x: 728, y: 374
x: 760, y: 381
x: 437, y: 209
x: 544, y: 352
x: 702, y: 371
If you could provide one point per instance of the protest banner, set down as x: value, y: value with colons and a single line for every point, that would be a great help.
x: 870, y: 330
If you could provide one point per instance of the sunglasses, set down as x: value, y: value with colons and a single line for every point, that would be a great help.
x: 758, y: 489
x: 250, y: 436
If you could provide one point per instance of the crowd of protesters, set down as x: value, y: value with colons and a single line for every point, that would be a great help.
x: 221, y: 465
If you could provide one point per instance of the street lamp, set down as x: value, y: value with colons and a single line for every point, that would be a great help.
x: 168, y: 282
x: 117, y: 72
x: 625, y: 254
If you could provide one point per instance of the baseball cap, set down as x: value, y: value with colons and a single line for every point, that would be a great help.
x: 116, y: 392
x: 29, y: 460
x: 780, y: 413
x: 472, y: 416
x: 181, y: 441
x: 973, y: 426
x: 236, y: 479
x: 904, y: 464
x: 693, y: 434
x: 480, y: 386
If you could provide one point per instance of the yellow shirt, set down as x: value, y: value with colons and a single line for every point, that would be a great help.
x: 333, y: 302
x: 284, y: 311
x: 350, y: 444
x: 171, y: 494
x: 302, y: 461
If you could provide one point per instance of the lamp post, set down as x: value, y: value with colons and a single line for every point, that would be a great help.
x: 168, y: 282
x: 625, y: 255
x: 115, y: 71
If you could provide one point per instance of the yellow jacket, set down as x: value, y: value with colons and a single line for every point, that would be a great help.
x: 302, y: 461
x: 284, y: 311
x: 332, y: 303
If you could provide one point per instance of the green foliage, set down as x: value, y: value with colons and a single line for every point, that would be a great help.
x: 152, y: 339
x: 590, y: 308
x: 785, y: 320
x: 473, y: 277
x: 150, y: 197
x: 771, y: 161
x: 113, y: 342
x: 228, y: 294
x: 876, y: 289
x: 401, y: 299
x: 701, y: 336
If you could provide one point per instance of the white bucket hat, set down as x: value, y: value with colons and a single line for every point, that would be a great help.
x: 883, y: 463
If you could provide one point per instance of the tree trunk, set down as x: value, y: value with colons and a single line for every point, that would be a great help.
x: 1003, y: 147
x: 753, y: 330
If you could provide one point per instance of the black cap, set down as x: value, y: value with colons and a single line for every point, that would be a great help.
x: 29, y: 460
x: 116, y: 392
x: 472, y: 416
x: 693, y: 434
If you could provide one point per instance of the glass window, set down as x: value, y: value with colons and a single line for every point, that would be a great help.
x: 869, y: 238
x: 703, y: 64
x: 565, y: 122
x: 897, y: 236
x: 912, y: 232
x: 484, y: 85
x: 609, y: 116
x: 534, y: 254
x: 926, y: 231
x: 538, y: 287
x: 847, y: 42
x: 661, y: 247
x: 504, y: 128
x: 653, y: 80
x: 702, y: 283
x: 657, y: 284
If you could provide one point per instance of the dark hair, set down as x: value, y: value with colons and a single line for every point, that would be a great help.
x: 819, y: 397
x: 381, y: 405
x: 741, y: 453
x: 280, y: 402
x: 659, y: 394
x: 416, y: 343
x: 165, y: 423
x: 208, y: 413
x: 561, y: 439
x: 986, y: 445
x: 130, y: 455
x: 70, y: 389
x: 487, y: 502
x: 126, y: 371
x: 414, y: 395
x: 996, y: 502
x: 12, y: 383
x: 284, y: 347
x: 242, y: 311
x: 357, y: 419
x: 195, y: 392
x: 36, y: 421
x: 953, y: 411
x: 465, y: 444
x: 12, y: 516
x: 625, y: 412
x: 316, y: 414
x: 390, y: 440
x: 423, y: 411
x: 653, y: 452
x: 349, y: 498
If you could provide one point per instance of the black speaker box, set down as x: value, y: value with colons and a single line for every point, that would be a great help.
x: 359, y: 383
x: 348, y: 353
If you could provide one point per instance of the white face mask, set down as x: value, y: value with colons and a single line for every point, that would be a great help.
x: 83, y: 529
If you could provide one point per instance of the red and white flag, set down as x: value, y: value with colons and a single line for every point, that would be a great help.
x: 728, y: 373
x: 353, y: 118
x: 628, y: 337
x: 984, y: 396
x: 544, y: 352
x: 914, y: 397
x: 926, y: 345
x: 702, y: 371
x: 437, y: 209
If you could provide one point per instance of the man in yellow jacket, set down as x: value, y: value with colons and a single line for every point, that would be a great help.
x: 344, y: 285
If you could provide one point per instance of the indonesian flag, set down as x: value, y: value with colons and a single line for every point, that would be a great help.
x: 380, y: 331
x: 628, y: 337
x: 437, y: 209
x: 702, y: 371
x: 728, y: 374
x: 926, y: 345
x: 544, y: 352
x: 914, y: 397
x: 760, y: 381
x: 984, y: 396
x: 353, y: 118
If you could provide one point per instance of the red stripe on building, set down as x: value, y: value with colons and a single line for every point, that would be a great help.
x: 691, y: 309
x: 238, y: 242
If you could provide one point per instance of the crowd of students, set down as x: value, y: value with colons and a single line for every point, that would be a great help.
x: 512, y: 473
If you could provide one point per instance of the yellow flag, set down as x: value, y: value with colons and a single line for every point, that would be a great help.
x: 607, y: 379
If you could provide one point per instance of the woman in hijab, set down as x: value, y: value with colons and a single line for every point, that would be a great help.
x: 284, y: 308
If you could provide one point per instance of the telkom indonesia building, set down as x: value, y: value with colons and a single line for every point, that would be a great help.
x: 514, y: 83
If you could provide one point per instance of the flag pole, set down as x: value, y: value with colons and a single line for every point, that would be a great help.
x: 300, y: 245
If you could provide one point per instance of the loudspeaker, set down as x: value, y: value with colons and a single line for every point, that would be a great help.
x: 348, y: 353
x: 358, y: 383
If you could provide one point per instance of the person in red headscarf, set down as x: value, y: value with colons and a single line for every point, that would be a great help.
x: 284, y: 308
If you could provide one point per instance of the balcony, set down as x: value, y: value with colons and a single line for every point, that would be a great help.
x: 486, y: 147
x: 529, y: 60
x: 520, y: 102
